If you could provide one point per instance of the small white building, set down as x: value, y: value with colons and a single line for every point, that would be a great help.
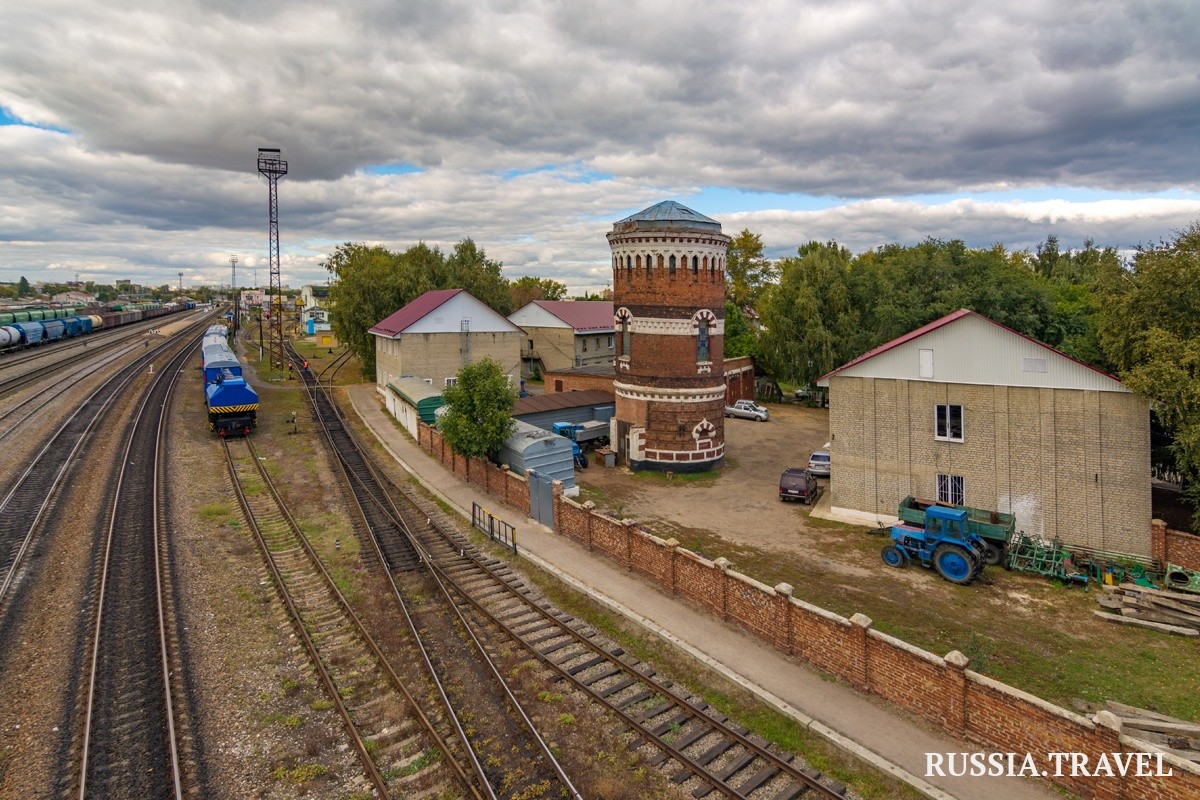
x: 438, y: 334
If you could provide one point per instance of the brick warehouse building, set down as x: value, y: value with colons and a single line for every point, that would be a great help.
x: 669, y: 308
x: 967, y: 411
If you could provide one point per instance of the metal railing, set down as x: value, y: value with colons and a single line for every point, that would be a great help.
x: 497, y: 529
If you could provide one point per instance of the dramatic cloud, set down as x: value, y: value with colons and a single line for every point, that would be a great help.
x: 531, y: 127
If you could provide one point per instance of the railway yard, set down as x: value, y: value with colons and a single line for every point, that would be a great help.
x: 287, y: 615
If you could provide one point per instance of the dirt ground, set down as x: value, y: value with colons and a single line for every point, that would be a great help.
x: 741, y: 503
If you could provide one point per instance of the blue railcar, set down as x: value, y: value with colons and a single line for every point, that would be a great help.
x: 31, y: 332
x: 72, y: 326
x: 53, y: 330
x: 232, y: 405
x: 217, y: 359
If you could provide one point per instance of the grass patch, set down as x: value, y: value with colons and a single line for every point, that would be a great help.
x: 216, y: 512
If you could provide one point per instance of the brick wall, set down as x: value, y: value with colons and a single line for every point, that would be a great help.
x: 1174, y: 547
x: 441, y: 355
x: 567, y: 382
x: 1068, y: 463
x: 938, y: 689
x: 501, y: 483
x: 941, y: 690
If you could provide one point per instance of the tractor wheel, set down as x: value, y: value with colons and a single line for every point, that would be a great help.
x: 992, y: 555
x: 893, y: 556
x: 955, y: 564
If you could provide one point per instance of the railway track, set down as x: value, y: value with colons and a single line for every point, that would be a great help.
x: 133, y: 731
x: 703, y: 753
x: 402, y: 750
x: 515, y: 759
x: 24, y: 506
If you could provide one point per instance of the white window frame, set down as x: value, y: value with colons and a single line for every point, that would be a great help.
x: 610, y: 342
x: 942, y: 418
x: 452, y: 381
x: 951, y: 489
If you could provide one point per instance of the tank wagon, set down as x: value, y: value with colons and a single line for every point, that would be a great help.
x: 25, y: 327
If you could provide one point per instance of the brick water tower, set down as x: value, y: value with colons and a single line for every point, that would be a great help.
x: 669, y: 307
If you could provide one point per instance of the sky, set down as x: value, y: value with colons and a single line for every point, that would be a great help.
x: 129, y: 137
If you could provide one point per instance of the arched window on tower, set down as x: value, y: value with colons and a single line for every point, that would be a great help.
x: 628, y: 267
x: 702, y: 341
x: 671, y: 263
x: 695, y: 264
x: 625, y: 337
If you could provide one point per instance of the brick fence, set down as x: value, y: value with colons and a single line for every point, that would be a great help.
x: 941, y: 690
x: 1174, y: 547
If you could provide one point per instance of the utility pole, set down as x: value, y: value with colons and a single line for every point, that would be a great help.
x: 233, y: 287
x: 181, y: 283
x: 273, y: 167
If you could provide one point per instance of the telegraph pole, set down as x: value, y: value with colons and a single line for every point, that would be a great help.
x: 273, y: 167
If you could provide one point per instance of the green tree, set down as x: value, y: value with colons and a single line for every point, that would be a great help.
x: 527, y: 288
x: 478, y: 418
x: 747, y: 272
x: 739, y: 339
x: 371, y: 283
x: 808, y: 317
x: 468, y: 267
x: 23, y: 288
x: 1150, y: 329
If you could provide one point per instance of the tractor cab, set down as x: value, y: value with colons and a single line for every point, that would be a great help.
x: 944, y: 543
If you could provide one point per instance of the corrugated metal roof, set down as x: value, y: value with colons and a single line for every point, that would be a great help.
x: 668, y: 214
x: 417, y: 309
x: 414, y: 390
x: 582, y: 315
x: 556, y: 401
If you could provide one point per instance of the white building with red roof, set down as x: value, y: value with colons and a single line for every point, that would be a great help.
x: 438, y: 334
x: 560, y: 334
x: 967, y: 411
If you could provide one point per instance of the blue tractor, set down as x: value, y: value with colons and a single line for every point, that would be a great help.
x: 944, y: 543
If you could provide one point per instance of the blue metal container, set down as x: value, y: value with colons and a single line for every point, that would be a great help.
x: 31, y: 332
x: 53, y: 330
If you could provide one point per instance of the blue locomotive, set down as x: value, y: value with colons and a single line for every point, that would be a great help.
x: 232, y: 403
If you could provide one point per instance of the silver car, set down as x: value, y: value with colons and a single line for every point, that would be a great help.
x: 818, y: 463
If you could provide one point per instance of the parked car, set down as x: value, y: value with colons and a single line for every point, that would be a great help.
x: 747, y: 409
x: 798, y: 484
x: 814, y: 394
x: 818, y: 463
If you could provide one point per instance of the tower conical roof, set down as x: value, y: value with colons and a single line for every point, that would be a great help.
x: 668, y: 214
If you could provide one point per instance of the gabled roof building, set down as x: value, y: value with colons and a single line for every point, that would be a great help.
x: 438, y: 334
x: 560, y: 334
x: 965, y: 410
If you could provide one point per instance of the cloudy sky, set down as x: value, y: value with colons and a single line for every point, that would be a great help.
x: 128, y: 138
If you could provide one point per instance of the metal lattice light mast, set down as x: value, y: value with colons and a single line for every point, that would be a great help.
x: 272, y: 165
x: 233, y: 291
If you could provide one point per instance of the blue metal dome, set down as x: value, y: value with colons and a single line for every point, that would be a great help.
x: 668, y: 214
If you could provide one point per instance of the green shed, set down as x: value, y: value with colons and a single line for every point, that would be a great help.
x: 412, y: 400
